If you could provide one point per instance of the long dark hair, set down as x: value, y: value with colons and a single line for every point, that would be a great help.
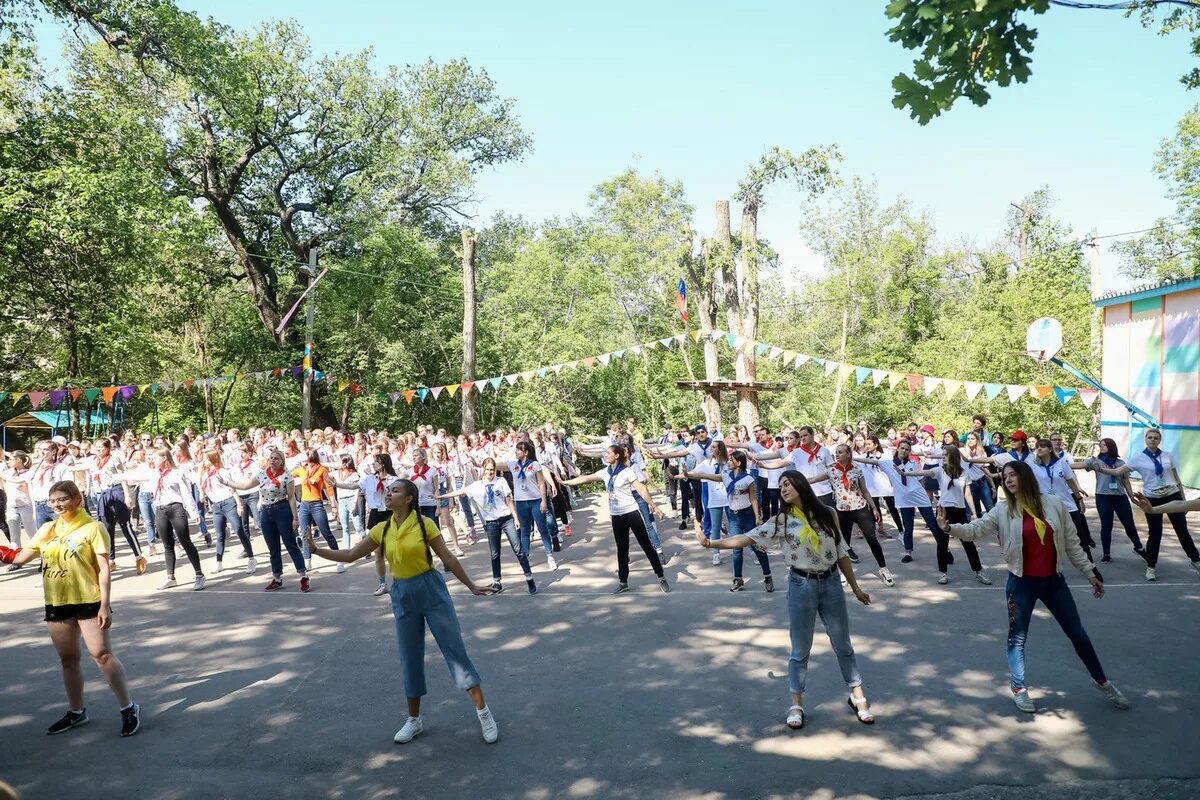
x: 385, y: 460
x: 1113, y: 451
x: 1027, y: 493
x: 819, y: 515
x: 952, y: 465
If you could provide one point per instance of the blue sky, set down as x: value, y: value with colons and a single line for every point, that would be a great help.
x: 698, y: 91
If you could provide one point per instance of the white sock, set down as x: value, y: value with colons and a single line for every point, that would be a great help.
x: 128, y: 707
x: 481, y: 711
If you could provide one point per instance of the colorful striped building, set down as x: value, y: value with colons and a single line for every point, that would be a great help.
x: 1152, y: 357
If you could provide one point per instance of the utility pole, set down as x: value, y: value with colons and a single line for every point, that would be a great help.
x: 469, y: 241
x: 307, y: 375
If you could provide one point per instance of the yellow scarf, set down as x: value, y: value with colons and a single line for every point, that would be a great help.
x: 807, y: 532
x: 1039, y: 524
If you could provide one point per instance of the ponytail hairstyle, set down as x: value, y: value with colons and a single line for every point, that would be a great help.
x: 314, y: 457
x: 620, y: 456
x: 527, y: 447
x: 720, y: 451
x: 739, y: 458
x: 952, y: 465
x: 1027, y: 495
x: 819, y: 515
x: 164, y: 455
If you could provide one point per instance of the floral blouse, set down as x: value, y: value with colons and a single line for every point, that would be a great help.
x: 847, y: 494
x: 802, y: 546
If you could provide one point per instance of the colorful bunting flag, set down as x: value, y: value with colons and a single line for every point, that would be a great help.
x: 36, y: 398
x: 1064, y: 395
x: 878, y: 376
x: 992, y: 390
x: 1088, y: 396
x: 1015, y: 392
x: 914, y: 383
x: 973, y: 390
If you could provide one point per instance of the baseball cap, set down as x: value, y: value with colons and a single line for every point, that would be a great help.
x: 1019, y: 435
x: 927, y: 429
x: 699, y: 428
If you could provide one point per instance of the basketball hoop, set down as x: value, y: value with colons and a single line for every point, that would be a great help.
x: 1043, y: 340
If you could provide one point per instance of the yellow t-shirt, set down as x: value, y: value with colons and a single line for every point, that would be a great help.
x: 70, y: 574
x: 404, y: 547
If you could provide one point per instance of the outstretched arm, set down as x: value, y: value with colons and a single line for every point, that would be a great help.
x: 582, y: 479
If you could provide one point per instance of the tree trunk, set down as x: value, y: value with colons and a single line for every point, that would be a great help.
x: 837, y: 392
x: 746, y: 277
x: 469, y: 241
x: 706, y: 306
x: 77, y: 431
x: 344, y: 420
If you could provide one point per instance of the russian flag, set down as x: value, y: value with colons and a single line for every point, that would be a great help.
x: 681, y: 300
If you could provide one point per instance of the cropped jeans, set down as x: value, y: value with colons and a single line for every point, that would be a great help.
x: 807, y: 598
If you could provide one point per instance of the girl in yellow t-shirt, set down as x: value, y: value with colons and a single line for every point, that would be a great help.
x: 420, y: 598
x: 77, y: 576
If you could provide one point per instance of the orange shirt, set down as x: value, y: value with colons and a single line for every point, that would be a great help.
x: 312, y: 482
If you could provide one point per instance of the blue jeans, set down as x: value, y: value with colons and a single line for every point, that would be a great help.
x: 648, y: 518
x: 313, y: 511
x: 347, y: 515
x: 42, y: 513
x: 529, y: 512
x: 250, y: 511
x: 465, y: 503
x: 506, y: 526
x: 808, y: 597
x: 1023, y: 595
x: 200, y: 505
x: 741, y: 521
x: 981, y: 490
x: 907, y: 516
x: 715, y: 514
x: 276, y: 523
x: 146, y: 509
x: 225, y: 516
x: 417, y: 601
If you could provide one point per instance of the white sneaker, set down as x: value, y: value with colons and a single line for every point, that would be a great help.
x: 982, y: 577
x: 412, y: 726
x: 308, y: 566
x: 885, y: 575
x: 1151, y: 575
x: 168, y: 583
x: 250, y: 565
x: 218, y: 567
x: 1024, y: 701
x: 550, y: 562
x: 943, y: 579
x: 491, y: 732
x: 1114, y: 695
x: 341, y: 568
x: 198, y: 586
x: 380, y: 590
x: 716, y: 559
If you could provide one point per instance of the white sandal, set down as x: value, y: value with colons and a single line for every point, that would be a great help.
x: 859, y: 706
x: 795, y: 717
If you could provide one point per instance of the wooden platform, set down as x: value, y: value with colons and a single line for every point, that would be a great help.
x: 731, y: 386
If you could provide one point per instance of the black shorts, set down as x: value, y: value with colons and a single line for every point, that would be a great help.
x: 72, y: 611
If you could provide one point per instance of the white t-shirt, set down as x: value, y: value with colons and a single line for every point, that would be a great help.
x: 1053, y: 480
x: 525, y: 480
x: 953, y: 490
x: 737, y: 491
x: 619, y: 484
x: 814, y: 466
x: 427, y: 482
x: 16, y: 486
x: 1154, y: 485
x: 701, y: 452
x: 909, y: 493
x: 101, y: 477
x: 497, y: 508
x: 1007, y: 457
x: 717, y: 498
x: 212, y: 488
x: 878, y: 482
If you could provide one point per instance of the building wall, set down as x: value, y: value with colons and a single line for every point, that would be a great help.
x: 1152, y: 356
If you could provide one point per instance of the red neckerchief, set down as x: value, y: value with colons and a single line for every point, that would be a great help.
x: 41, y: 476
x: 309, y: 472
x: 274, y: 477
x: 812, y: 454
x: 379, y: 484
x: 247, y: 463
x: 421, y: 471
x: 100, y: 465
x: 162, y: 476
x: 845, y: 473
x: 208, y: 478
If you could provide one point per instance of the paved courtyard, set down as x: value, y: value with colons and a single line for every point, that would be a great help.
x: 253, y: 695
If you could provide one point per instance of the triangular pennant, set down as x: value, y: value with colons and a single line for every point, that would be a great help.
x: 91, y: 395
x: 762, y: 349
x: 636, y: 349
x: 604, y: 358
x: 512, y: 379
x: 731, y: 340
x: 343, y: 385
x: 422, y: 393
x: 296, y: 371
x: 409, y: 394
x: 1040, y: 392
x: 894, y: 379
x: 861, y: 374
x: 666, y: 342
x: 355, y: 388
x: 914, y: 382
x: 830, y: 367
x: 467, y: 386
x: 495, y: 383
x: 774, y: 353
x: 973, y: 389
x: 57, y: 396
x: 1088, y: 396
x: 619, y: 354
x: 680, y: 337
x: 394, y: 396
x: 992, y: 390
x: 2, y: 396
x: 109, y: 393
x: 16, y: 396
x: 187, y: 384
x: 452, y: 389
x: 1015, y: 392
x: 436, y: 391
x: 541, y: 373
x: 127, y: 392
x: 878, y: 376
x: 75, y: 394
x: 800, y: 360
x: 844, y: 371
x: 528, y: 375
x: 36, y: 398
x: 951, y: 387
x: 142, y: 389
x: 931, y: 384
x: 696, y: 335
x: 1064, y: 395
x: 589, y: 361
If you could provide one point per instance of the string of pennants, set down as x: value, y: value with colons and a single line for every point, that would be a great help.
x: 109, y: 395
x: 789, y: 358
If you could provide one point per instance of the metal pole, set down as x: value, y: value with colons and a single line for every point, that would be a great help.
x: 307, y: 375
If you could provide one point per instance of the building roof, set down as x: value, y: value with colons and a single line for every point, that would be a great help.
x: 1146, y: 292
x: 52, y: 419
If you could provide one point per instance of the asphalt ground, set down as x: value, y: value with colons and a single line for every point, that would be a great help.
x: 246, y: 694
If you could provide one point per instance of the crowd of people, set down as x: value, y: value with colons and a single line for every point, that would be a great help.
x: 412, y: 501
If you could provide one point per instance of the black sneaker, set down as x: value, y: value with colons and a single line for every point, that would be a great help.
x: 622, y: 587
x: 556, y: 544
x: 497, y: 587
x: 532, y: 586
x: 769, y: 582
x: 907, y: 559
x: 853, y: 556
x: 70, y: 720
x: 1107, y: 559
x: 663, y: 586
x: 683, y: 523
x: 131, y: 720
x: 738, y: 585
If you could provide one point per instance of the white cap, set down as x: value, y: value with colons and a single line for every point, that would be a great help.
x: 61, y: 441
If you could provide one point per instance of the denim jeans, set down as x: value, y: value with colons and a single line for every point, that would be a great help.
x: 808, y: 597
x: 715, y: 515
x: 348, y: 515
x: 203, y: 525
x: 250, y: 503
x: 742, y: 521
x: 1023, y: 594
x: 313, y: 511
x: 417, y: 601
x: 907, y: 515
x: 146, y: 509
x: 465, y: 503
x: 42, y: 513
x: 981, y: 490
x: 506, y: 526
x: 648, y: 518
x: 276, y: 523
x: 529, y: 513
x: 225, y: 516
x: 1108, y: 505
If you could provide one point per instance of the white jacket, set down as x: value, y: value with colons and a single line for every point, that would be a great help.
x: 1008, y: 527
